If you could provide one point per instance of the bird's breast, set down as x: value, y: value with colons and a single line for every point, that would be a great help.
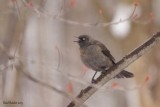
x: 93, y: 58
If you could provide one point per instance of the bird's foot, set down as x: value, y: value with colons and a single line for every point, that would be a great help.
x: 93, y: 81
x: 103, y: 72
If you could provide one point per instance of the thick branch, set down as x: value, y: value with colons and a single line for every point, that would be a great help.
x: 114, y: 70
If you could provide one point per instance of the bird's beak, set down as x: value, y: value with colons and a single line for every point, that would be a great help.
x: 75, y: 36
x: 76, y: 40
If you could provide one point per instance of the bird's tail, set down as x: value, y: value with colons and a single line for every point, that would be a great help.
x: 125, y: 74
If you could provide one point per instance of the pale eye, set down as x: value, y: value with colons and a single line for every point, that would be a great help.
x: 83, y: 39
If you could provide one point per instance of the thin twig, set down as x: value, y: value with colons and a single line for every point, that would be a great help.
x: 30, y: 77
x: 17, y: 9
x: 72, y: 22
x: 60, y: 57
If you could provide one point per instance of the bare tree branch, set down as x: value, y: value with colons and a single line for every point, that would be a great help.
x: 30, y: 77
x: 58, y: 17
x: 114, y: 70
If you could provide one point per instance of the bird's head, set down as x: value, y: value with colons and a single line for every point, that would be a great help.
x: 84, y: 40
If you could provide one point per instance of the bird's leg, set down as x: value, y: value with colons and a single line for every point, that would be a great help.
x: 93, y: 81
x: 105, y: 71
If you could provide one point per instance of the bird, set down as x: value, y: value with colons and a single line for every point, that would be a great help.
x: 97, y: 57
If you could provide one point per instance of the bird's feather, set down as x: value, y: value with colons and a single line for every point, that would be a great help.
x: 105, y: 51
x: 125, y: 74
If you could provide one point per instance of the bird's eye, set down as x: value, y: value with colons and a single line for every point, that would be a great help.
x: 83, y: 39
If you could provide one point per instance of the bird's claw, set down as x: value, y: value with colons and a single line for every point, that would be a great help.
x: 93, y: 81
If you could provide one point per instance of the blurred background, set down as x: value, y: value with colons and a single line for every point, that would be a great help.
x: 40, y: 64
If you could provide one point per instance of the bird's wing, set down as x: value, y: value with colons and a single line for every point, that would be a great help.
x: 105, y: 51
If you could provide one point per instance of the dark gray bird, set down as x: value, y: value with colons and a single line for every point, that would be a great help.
x: 97, y: 57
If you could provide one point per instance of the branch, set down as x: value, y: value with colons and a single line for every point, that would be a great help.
x: 114, y: 70
x: 30, y: 77
x: 59, y: 17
